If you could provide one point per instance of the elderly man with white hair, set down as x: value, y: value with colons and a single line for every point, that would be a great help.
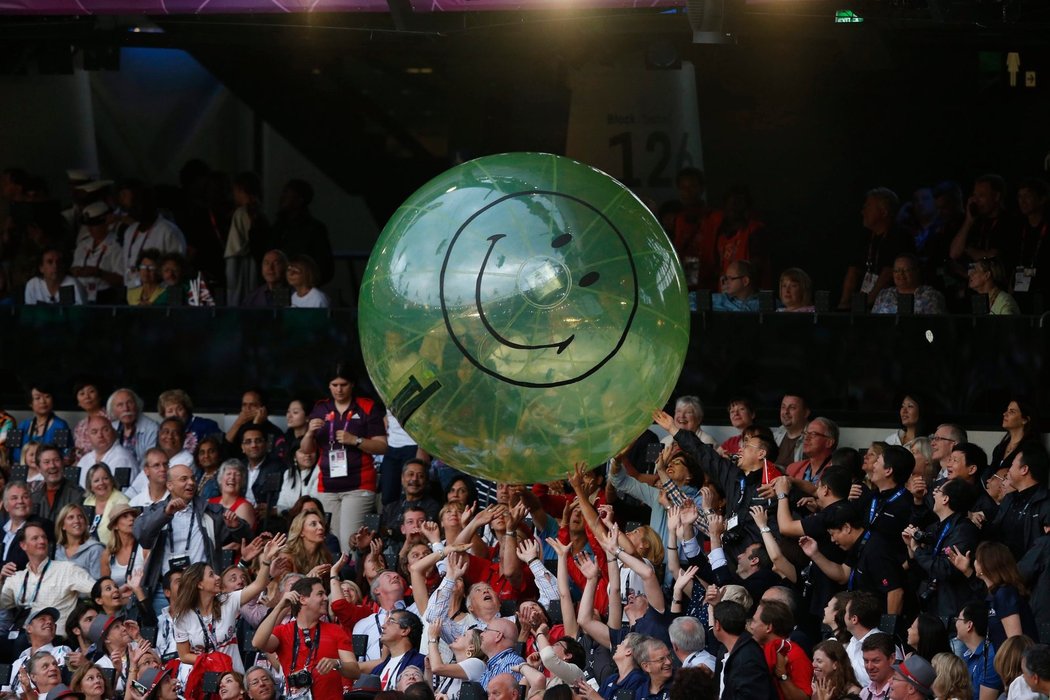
x: 135, y: 432
x: 688, y: 643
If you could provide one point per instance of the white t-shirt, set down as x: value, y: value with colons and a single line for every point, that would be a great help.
x: 116, y: 457
x: 1019, y: 690
x: 107, y: 256
x: 395, y: 434
x: 140, y: 482
x: 142, y: 498
x: 474, y: 668
x: 36, y: 291
x: 314, y: 299
x: 163, y: 235
x: 223, y: 631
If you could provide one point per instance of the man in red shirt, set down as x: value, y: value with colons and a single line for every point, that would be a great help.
x: 791, y: 668
x: 321, y: 649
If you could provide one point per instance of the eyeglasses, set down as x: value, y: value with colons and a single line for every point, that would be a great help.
x: 938, y: 438
x: 148, y: 267
x: 659, y: 660
x: 902, y: 270
x: 1002, y: 479
x: 814, y: 433
x: 727, y: 278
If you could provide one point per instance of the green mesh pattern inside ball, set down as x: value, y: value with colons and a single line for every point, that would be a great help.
x: 522, y: 312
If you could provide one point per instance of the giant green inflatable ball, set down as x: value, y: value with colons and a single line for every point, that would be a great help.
x: 522, y: 312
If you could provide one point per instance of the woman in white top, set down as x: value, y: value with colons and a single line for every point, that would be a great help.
x: 468, y: 664
x: 46, y: 288
x: 119, y: 557
x: 300, y: 479
x: 302, y: 277
x: 206, y: 617
x: 913, y: 422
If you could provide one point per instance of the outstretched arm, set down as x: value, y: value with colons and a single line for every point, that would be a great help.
x: 568, y: 612
x: 653, y: 590
x: 270, y: 552
x: 597, y: 629
x: 783, y: 567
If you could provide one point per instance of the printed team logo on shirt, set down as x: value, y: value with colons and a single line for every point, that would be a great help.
x: 885, y: 582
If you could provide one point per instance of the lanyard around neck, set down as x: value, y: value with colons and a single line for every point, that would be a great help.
x: 25, y: 584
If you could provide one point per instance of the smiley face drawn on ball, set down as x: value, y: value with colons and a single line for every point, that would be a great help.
x: 548, y: 281
x: 587, y: 280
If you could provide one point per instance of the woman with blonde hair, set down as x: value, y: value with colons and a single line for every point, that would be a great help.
x: 953, y: 677
x: 468, y: 663
x: 122, y: 554
x: 74, y: 543
x: 988, y: 276
x: 796, y: 291
x: 104, y: 497
x: 302, y: 275
x: 1008, y: 665
x: 306, y: 542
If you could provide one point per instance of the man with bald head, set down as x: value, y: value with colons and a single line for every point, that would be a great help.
x: 503, y: 687
x: 497, y: 641
x: 104, y: 448
x: 184, y: 528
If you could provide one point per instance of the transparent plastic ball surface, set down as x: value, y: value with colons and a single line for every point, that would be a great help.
x: 522, y: 312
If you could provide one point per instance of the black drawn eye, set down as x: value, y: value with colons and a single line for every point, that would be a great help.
x: 561, y: 240
x: 589, y: 279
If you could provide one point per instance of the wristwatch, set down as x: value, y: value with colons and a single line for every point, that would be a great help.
x: 357, y: 443
x: 764, y: 529
x: 783, y: 677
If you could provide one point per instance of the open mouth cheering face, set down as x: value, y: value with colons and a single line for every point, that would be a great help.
x: 549, y: 286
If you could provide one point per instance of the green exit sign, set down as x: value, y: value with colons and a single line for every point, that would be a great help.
x: 847, y: 17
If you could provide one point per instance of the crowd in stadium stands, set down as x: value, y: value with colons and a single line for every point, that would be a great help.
x: 163, y: 555
x: 209, y: 242
x: 941, y: 252
x: 131, y: 243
